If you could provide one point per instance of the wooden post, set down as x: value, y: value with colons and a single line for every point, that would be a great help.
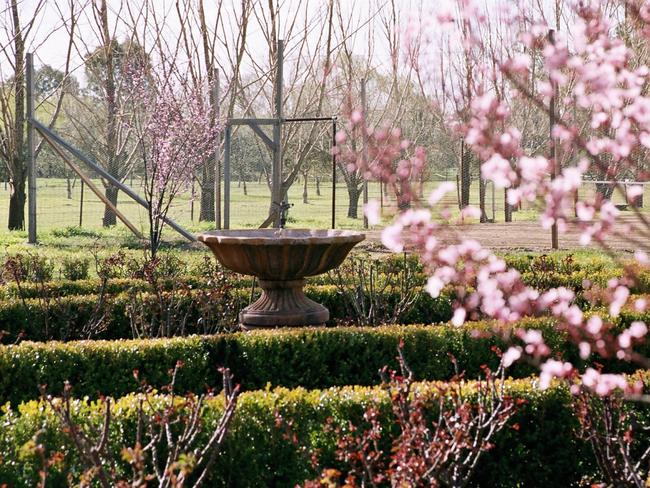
x: 552, y: 145
x: 333, y: 174
x: 81, y: 205
x: 226, y: 179
x: 31, y: 157
x: 364, y: 110
x: 494, y: 216
x: 276, y: 181
x: 192, y: 199
x: 217, y: 155
x: 481, y: 198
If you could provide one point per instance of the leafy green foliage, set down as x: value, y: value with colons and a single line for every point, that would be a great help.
x: 307, y: 357
x: 540, y: 450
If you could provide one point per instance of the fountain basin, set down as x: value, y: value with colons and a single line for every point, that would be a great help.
x: 281, y: 259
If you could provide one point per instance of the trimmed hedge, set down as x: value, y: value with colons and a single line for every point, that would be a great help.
x: 543, y: 451
x: 307, y: 357
x: 552, y: 272
x: 65, y: 318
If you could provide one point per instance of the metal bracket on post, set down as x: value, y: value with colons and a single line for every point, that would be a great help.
x: 31, y: 156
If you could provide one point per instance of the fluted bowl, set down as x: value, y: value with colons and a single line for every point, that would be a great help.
x: 281, y: 254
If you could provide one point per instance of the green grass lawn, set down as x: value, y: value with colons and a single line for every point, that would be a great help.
x: 55, y: 210
x: 59, y: 216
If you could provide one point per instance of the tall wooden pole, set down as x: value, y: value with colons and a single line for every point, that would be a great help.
x: 81, y: 205
x: 333, y: 174
x: 364, y: 109
x: 31, y: 157
x: 552, y: 146
x: 226, y: 179
x: 276, y: 187
x: 217, y: 153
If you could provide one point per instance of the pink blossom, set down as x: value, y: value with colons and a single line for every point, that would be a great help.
x: 441, y: 190
x: 604, y: 384
x: 551, y: 369
x: 356, y: 116
x: 434, y: 286
x: 459, y: 317
x: 640, y: 304
x: 498, y: 170
x: 621, y: 294
x: 585, y: 211
x: 511, y: 355
x: 641, y: 257
x: 594, y: 324
x: 391, y: 237
x: 372, y: 212
x: 470, y: 212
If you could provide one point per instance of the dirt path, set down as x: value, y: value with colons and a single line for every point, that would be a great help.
x: 529, y: 235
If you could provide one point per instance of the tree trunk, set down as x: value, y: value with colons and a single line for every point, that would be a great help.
x: 354, y: 192
x: 109, y: 216
x: 17, y: 198
x: 206, y: 213
x: 113, y: 159
x: 69, y: 188
x: 17, y: 164
x: 318, y: 186
x: 245, y: 190
x: 305, y: 195
x: 507, y: 208
x: 481, y: 191
x: 465, y: 177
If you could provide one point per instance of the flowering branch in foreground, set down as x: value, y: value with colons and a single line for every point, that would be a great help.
x: 605, y: 123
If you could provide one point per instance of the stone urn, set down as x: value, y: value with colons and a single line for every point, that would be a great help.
x: 281, y: 259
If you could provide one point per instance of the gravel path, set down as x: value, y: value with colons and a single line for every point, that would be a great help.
x: 529, y: 235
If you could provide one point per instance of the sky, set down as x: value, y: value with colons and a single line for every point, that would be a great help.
x: 49, y: 38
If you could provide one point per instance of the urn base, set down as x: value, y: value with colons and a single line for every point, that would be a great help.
x: 283, y: 303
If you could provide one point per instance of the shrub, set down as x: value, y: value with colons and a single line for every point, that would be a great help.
x: 67, y: 316
x: 75, y: 269
x: 308, y: 357
x: 27, y: 267
x: 542, y: 451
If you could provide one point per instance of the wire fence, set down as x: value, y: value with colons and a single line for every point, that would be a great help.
x: 64, y: 200
x: 68, y: 202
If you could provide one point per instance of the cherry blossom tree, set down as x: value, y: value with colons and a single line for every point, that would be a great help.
x: 590, y: 72
x: 176, y: 133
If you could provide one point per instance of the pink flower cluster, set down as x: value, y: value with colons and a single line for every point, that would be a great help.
x: 384, y: 157
x: 592, y: 71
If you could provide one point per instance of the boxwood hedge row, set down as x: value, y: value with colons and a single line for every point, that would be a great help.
x: 66, y: 317
x: 308, y: 357
x: 542, y: 451
x: 574, y: 276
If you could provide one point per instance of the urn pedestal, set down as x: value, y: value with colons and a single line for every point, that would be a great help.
x: 281, y: 259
